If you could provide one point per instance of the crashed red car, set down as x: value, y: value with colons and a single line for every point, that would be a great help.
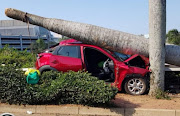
x: 129, y: 73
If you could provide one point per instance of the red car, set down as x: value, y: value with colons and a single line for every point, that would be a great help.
x: 126, y: 72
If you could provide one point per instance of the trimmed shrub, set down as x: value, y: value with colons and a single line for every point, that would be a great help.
x: 13, y: 85
x: 22, y: 59
x: 54, y: 88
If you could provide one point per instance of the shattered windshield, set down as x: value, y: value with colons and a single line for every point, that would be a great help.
x: 120, y: 56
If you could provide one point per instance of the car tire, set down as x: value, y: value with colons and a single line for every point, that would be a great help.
x: 136, y: 85
x: 44, y: 71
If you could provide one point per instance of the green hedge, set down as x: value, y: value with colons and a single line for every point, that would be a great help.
x: 21, y: 59
x: 54, y: 88
x: 13, y: 85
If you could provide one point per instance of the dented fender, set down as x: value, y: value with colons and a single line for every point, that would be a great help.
x: 122, y: 71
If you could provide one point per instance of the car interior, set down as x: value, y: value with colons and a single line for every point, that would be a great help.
x: 99, y: 65
x: 137, y: 62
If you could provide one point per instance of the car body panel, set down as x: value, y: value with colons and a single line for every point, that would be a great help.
x: 130, y: 58
x: 42, y: 59
x: 64, y: 42
x: 64, y: 63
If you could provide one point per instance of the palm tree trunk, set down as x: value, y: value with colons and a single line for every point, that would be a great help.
x: 91, y: 34
x: 157, y: 35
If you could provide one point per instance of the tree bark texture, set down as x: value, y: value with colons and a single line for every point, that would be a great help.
x: 157, y: 35
x: 91, y: 34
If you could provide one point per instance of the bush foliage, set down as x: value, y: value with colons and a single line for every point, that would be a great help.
x: 19, y: 58
x: 162, y: 95
x: 12, y: 85
x: 40, y: 45
x: 173, y: 37
x: 54, y: 88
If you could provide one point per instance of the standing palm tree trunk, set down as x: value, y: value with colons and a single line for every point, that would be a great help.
x: 91, y: 34
x: 157, y: 35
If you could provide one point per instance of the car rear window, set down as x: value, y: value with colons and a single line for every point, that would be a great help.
x: 71, y: 51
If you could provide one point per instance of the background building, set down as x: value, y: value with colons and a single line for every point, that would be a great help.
x: 20, y: 35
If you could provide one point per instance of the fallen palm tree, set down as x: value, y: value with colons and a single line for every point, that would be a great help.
x: 102, y: 37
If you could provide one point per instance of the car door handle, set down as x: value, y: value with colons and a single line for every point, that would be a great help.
x: 54, y: 62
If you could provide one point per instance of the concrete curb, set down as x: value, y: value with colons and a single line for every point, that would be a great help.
x: 51, y: 110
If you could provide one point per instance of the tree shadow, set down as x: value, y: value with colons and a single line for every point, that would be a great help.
x: 121, y: 103
x: 123, y: 107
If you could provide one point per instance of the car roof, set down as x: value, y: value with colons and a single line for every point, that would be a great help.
x: 81, y: 44
x: 76, y: 42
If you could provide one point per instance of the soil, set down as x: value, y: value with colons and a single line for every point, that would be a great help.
x: 144, y: 101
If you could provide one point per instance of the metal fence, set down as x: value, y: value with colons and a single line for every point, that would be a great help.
x: 20, y: 42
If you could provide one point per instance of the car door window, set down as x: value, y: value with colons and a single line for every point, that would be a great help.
x: 70, y: 51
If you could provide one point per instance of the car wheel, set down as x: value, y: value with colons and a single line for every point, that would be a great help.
x: 135, y: 86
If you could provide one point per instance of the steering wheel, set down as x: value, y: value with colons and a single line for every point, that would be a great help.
x: 106, y: 66
x: 106, y: 63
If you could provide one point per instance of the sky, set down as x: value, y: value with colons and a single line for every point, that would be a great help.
x: 129, y: 16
